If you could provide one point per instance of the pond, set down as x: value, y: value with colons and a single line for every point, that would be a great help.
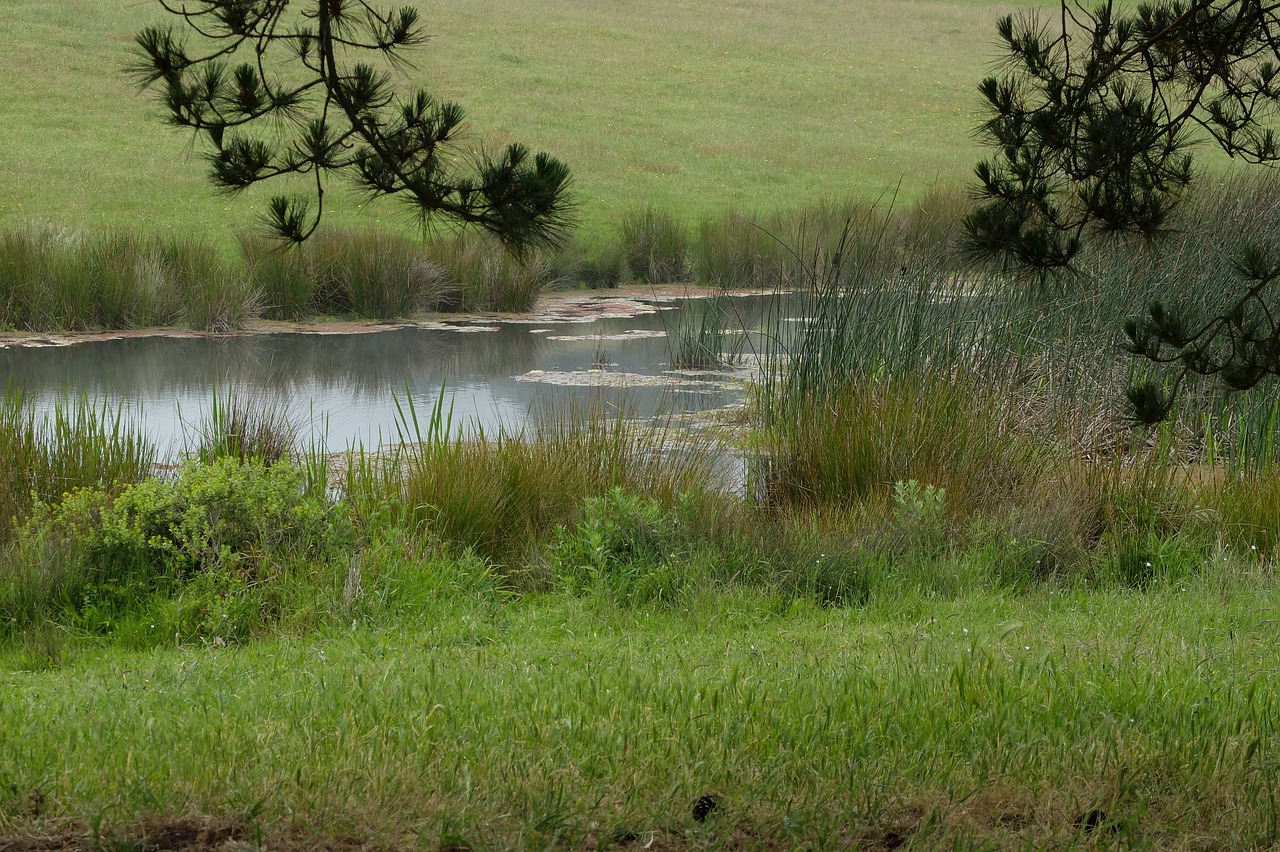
x: 342, y: 389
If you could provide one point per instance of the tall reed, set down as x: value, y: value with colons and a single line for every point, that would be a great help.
x: 248, y: 426
x: 656, y: 246
x: 778, y: 249
x: 503, y: 494
x: 72, y: 445
x: 55, y: 279
x: 888, y: 366
x: 702, y: 337
x: 284, y: 275
x: 484, y: 276
x: 375, y: 274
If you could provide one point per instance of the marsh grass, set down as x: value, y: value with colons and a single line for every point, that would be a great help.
x: 861, y: 440
x: 73, y: 445
x: 704, y: 336
x: 889, y: 368
x: 503, y: 494
x: 655, y: 245
x: 286, y: 279
x: 56, y: 279
x: 375, y: 274
x: 384, y: 275
x: 782, y: 249
x: 247, y: 426
x: 216, y: 298
x: 52, y: 279
x: 484, y: 276
x: 603, y: 265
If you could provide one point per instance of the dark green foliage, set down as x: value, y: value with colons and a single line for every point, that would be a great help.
x: 100, y: 555
x: 1091, y: 128
x: 304, y: 107
x: 627, y: 543
x: 1091, y: 124
x: 637, y: 552
x: 1241, y: 347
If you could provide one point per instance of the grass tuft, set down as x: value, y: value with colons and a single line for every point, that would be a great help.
x: 74, y: 445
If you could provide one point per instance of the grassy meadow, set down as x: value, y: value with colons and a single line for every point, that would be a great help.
x: 955, y: 600
x: 691, y: 108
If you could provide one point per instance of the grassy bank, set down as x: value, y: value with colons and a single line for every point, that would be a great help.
x: 54, y: 279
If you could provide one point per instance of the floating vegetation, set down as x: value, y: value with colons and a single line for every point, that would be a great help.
x: 613, y: 379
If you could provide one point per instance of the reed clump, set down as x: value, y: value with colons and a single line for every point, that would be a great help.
x: 655, y: 246
x: 502, y: 495
x: 59, y: 279
x: 483, y: 276
x: 249, y: 427
x: 74, y: 444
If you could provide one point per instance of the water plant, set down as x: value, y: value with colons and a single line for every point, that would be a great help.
x: 53, y: 279
x: 702, y: 336
x: 502, y: 494
x: 247, y: 426
x: 485, y: 277
x: 71, y: 444
x: 376, y: 274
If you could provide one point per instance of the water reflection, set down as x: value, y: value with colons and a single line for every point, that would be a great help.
x: 345, y: 385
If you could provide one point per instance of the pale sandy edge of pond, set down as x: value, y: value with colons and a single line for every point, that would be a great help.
x: 567, y: 306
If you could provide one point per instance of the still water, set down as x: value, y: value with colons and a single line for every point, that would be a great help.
x: 342, y: 389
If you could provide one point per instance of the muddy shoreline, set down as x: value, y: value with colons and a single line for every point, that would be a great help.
x: 569, y: 306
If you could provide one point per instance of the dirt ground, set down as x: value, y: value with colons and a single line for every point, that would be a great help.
x: 207, y: 834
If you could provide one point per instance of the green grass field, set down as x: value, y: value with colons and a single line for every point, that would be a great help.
x: 977, y: 722
x: 693, y: 108
x: 960, y: 603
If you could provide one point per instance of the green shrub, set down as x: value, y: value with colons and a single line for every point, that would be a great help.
x: 618, y: 537
x: 101, y: 555
x: 502, y: 496
x: 806, y: 563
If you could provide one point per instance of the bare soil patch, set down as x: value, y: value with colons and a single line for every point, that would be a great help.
x: 188, y: 833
